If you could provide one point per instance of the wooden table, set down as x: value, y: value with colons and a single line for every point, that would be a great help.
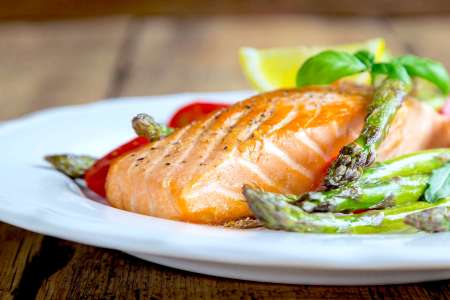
x: 80, y: 61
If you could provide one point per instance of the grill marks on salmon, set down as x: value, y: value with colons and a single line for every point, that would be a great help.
x: 282, y: 141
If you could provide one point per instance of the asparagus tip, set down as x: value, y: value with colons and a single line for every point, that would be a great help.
x: 430, y: 220
x: 144, y: 125
x: 259, y: 204
x: 71, y: 165
x: 141, y: 124
x: 349, y: 165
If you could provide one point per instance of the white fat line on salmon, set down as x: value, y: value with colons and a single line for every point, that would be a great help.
x: 338, y: 130
x: 287, y: 119
x: 263, y: 117
x: 215, y: 188
x: 305, y: 139
x: 255, y: 169
x: 289, y: 161
x: 229, y: 123
x: 314, y: 117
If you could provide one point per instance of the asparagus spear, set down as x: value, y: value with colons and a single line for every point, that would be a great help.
x: 361, y: 153
x: 282, y: 215
x: 399, y: 180
x: 421, y: 162
x: 398, y: 191
x: 71, y: 165
x: 276, y: 214
x: 431, y: 220
x: 353, y: 197
x: 144, y: 125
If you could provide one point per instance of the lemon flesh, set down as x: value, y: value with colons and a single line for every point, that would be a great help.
x: 274, y: 68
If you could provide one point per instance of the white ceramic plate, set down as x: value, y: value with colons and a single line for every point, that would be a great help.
x: 41, y: 200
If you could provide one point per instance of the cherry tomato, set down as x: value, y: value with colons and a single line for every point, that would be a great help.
x: 192, y: 112
x: 96, y: 176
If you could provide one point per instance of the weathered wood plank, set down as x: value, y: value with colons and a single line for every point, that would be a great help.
x: 105, y: 274
x: 200, y: 54
x: 17, y: 246
x: 55, y: 63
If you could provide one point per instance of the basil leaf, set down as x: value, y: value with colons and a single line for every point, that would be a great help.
x: 381, y: 68
x: 439, y: 184
x: 366, y: 58
x: 398, y: 71
x: 378, y: 69
x: 428, y: 69
x: 392, y: 70
x: 327, y: 67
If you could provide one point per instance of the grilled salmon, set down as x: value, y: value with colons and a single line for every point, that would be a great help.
x: 282, y: 141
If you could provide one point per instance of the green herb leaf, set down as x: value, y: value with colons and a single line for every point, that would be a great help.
x: 428, y: 69
x: 398, y: 71
x: 439, y: 184
x: 378, y: 69
x: 381, y: 68
x: 366, y: 58
x: 327, y: 67
x: 392, y: 70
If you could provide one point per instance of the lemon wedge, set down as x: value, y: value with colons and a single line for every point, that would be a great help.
x: 274, y: 68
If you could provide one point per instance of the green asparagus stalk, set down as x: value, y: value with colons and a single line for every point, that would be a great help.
x: 71, y: 165
x: 420, y: 162
x: 392, y: 182
x: 144, y: 125
x: 276, y: 214
x: 282, y: 215
x: 431, y: 220
x: 362, y: 152
x: 398, y: 191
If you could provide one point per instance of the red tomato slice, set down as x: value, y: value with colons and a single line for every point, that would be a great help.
x: 96, y: 176
x: 193, y: 112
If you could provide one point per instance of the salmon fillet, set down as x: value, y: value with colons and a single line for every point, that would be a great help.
x: 282, y: 141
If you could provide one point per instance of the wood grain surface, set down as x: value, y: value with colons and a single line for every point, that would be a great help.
x: 73, y: 62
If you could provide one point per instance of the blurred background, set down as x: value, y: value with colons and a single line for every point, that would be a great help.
x: 70, y: 52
